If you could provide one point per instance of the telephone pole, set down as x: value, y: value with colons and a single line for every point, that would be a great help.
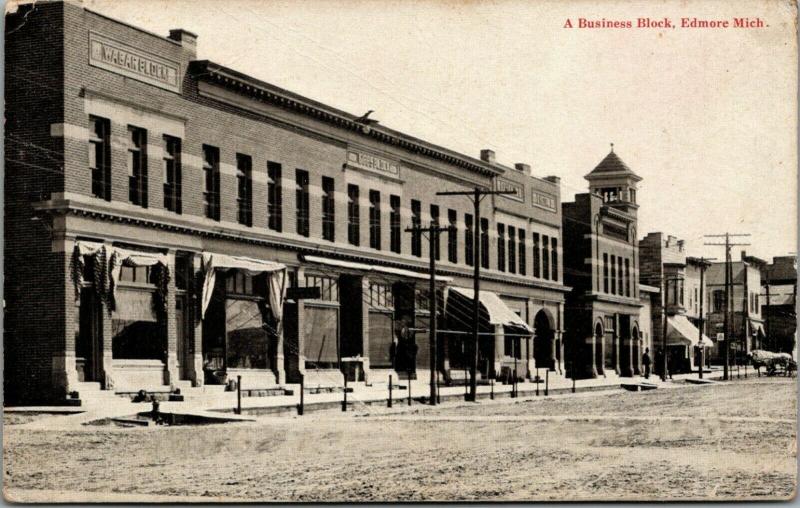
x: 728, y: 292
x: 433, y: 235
x: 476, y: 195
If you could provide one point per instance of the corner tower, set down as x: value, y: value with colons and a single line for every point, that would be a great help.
x: 614, y: 181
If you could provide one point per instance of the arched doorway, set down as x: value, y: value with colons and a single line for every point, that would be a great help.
x: 543, y: 341
x: 598, y: 349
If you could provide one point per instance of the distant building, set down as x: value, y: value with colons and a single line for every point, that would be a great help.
x: 747, y: 326
x: 778, y: 304
x: 602, y: 267
x: 665, y: 265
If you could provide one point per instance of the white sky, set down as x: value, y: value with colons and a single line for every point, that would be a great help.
x: 706, y: 117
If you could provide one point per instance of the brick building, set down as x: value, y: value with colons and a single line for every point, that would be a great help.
x: 602, y: 268
x: 779, y: 304
x: 160, y: 206
x: 747, y: 325
x: 665, y: 265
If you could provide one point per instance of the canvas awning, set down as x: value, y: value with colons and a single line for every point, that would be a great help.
x: 276, y: 278
x: 363, y: 267
x: 498, y: 311
x: 680, y: 331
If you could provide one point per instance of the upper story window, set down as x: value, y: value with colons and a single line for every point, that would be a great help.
x: 244, y: 180
x: 628, y: 278
x: 512, y: 249
x: 353, y: 215
x: 416, y: 223
x: 611, y: 194
x: 554, y: 258
x: 395, y: 235
x: 613, y: 260
x: 522, y: 249
x: 172, y: 174
x: 328, y: 209
x: 632, y: 194
x: 469, y: 240
x: 211, y: 170
x: 374, y: 219
x: 501, y: 247
x: 137, y: 166
x: 605, y: 272
x: 545, y: 257
x: 100, y: 157
x: 452, y: 236
x: 485, y: 243
x: 536, y: 256
x: 619, y: 278
x: 719, y: 300
x: 274, y: 197
x: 435, y: 223
x: 302, y: 202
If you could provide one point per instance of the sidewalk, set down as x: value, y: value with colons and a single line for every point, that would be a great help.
x: 214, y: 402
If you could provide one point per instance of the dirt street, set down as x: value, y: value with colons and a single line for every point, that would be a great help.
x: 727, y: 441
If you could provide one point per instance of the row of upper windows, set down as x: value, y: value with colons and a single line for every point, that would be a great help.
x: 545, y: 257
x: 616, y: 275
x: 717, y: 301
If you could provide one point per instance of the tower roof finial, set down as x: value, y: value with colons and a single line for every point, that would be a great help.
x: 612, y: 147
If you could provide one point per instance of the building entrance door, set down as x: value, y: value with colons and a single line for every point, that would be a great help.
x: 184, y: 344
x: 89, y: 348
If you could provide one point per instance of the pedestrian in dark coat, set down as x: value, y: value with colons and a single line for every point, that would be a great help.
x: 646, y: 362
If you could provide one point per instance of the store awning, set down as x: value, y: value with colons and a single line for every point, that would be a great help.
x: 680, y: 331
x: 499, y: 313
x: 276, y: 280
x: 363, y: 267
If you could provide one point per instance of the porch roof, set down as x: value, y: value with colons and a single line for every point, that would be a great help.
x: 352, y: 265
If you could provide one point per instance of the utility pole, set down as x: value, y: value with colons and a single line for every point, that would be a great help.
x: 477, y: 195
x: 728, y: 292
x: 704, y: 263
x: 433, y: 235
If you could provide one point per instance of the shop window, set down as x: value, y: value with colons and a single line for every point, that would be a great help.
x: 522, y: 250
x: 512, y: 249
x: 485, y: 243
x: 381, y: 296
x: 328, y: 286
x: 416, y: 223
x: 100, y: 157
x: 244, y: 180
x: 137, y: 274
x: 353, y: 216
x: 239, y: 283
x: 328, y: 209
x: 452, y: 236
x: 136, y: 331
x: 172, y: 174
x: 274, y: 197
x: 212, y: 182
x: 137, y: 166
x: 374, y: 219
x: 469, y: 240
x: 395, y: 234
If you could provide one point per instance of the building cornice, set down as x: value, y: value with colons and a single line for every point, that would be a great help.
x: 204, y: 70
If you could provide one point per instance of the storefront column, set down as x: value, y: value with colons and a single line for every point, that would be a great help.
x: 171, y: 374
x: 617, y: 342
x: 196, y: 371
x: 294, y: 341
x: 106, y: 359
x: 530, y: 364
x: 279, y: 370
x: 365, y: 327
x: 65, y: 375
x: 559, y: 333
x: 592, y: 348
x: 499, y: 349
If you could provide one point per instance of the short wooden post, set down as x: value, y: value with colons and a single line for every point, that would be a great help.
x: 546, y: 381
x: 239, y: 395
x: 344, y: 398
x: 390, y: 390
x: 301, y: 408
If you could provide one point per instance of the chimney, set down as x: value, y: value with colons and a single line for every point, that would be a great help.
x: 522, y: 167
x: 487, y: 156
x: 187, y: 39
x: 552, y: 178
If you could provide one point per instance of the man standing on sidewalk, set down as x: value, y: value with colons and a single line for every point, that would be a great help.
x: 646, y: 362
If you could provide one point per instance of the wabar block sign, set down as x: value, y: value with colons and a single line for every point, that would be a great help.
x: 122, y: 59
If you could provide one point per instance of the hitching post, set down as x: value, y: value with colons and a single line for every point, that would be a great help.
x: 239, y: 395
x: 300, y: 408
x: 546, y: 381
x: 537, y: 381
x: 390, y: 390
x: 344, y: 399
